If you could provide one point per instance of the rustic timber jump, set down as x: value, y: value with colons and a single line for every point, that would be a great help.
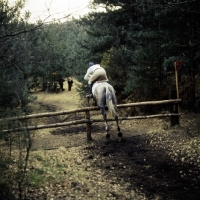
x: 88, y: 121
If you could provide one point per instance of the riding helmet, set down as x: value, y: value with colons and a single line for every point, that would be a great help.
x: 90, y: 64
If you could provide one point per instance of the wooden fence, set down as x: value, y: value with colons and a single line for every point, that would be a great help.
x: 88, y: 121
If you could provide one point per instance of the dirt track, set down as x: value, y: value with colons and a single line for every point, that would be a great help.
x: 151, y: 161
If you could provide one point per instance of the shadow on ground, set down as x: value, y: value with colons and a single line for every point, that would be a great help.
x: 148, y: 170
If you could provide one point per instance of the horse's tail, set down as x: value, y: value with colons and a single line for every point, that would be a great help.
x: 109, y: 102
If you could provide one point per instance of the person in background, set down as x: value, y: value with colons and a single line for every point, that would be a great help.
x: 94, y: 72
x: 60, y: 81
x: 70, y: 83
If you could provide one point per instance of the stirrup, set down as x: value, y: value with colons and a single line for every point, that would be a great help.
x: 89, y: 96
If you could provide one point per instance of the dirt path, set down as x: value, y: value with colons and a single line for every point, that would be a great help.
x: 152, y: 161
x: 63, y: 100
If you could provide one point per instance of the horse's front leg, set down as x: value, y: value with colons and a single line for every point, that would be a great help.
x: 103, y: 112
x: 118, y: 128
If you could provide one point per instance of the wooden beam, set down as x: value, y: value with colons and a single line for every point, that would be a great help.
x: 49, y: 114
x: 36, y: 127
x: 146, y: 103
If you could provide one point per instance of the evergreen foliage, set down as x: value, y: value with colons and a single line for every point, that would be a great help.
x: 14, y: 54
x: 146, y: 38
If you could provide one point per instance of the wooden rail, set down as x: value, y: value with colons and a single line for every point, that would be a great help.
x: 85, y: 109
x: 87, y: 119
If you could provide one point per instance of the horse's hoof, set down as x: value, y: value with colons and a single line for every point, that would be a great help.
x: 108, y: 135
x: 119, y: 134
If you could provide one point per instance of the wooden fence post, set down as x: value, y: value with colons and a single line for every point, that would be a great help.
x: 88, y: 125
x: 174, y: 108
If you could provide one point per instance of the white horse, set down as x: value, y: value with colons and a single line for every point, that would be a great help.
x: 104, y: 95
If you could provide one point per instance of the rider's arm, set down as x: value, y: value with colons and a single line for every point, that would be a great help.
x: 88, y: 74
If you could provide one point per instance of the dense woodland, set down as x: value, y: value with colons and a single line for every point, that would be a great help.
x: 136, y: 41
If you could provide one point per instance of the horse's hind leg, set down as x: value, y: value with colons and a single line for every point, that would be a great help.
x: 118, y: 128
x: 103, y: 112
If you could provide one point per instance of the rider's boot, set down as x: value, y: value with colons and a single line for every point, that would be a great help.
x: 89, y: 95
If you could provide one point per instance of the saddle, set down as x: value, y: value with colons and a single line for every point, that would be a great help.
x: 100, y: 78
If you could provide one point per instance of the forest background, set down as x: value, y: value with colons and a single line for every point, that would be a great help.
x: 136, y: 41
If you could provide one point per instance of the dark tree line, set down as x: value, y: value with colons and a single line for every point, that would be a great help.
x: 136, y: 41
x: 141, y: 40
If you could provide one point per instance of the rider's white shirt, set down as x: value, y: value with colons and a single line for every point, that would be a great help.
x: 90, y: 71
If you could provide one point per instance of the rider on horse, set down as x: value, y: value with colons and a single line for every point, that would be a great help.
x: 95, y: 72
